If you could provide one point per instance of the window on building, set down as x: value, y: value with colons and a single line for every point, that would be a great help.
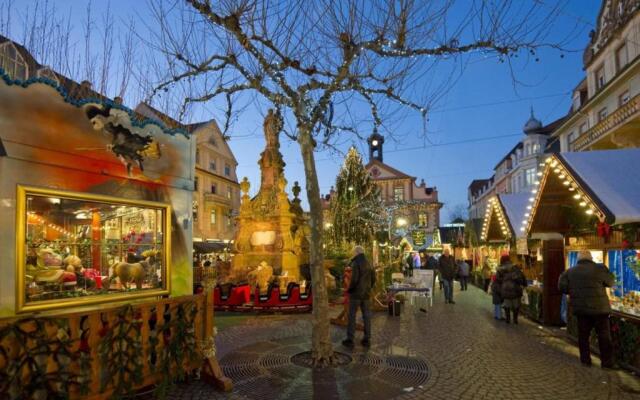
x: 570, y: 139
x: 422, y: 219
x: 623, y: 98
x: 602, y: 114
x: 212, y: 141
x: 212, y: 166
x: 536, y: 148
x: 576, y: 100
x: 600, y: 78
x: 229, y: 192
x: 530, y: 175
x: 583, y: 127
x: 527, y: 149
x: 398, y: 194
x: 48, y: 73
x: 622, y: 56
x: 12, y: 62
x: 227, y: 170
x: 194, y: 210
x: 213, y: 188
x: 197, y: 156
x: 195, y: 184
x: 213, y: 216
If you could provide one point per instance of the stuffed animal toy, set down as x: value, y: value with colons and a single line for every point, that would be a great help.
x: 128, y: 273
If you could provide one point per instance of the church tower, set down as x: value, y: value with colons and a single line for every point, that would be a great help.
x: 375, y: 146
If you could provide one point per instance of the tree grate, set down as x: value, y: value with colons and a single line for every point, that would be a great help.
x: 282, y: 370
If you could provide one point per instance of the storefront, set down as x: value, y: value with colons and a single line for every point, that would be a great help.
x: 95, y: 207
x: 589, y: 201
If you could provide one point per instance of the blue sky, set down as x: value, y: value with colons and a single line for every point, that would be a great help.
x: 484, y: 103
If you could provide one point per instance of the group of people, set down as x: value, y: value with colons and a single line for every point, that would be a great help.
x: 507, y: 290
x: 446, y: 268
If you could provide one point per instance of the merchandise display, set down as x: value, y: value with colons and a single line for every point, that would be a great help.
x: 75, y: 246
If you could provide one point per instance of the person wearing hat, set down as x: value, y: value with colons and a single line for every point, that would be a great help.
x: 363, y: 279
x: 586, y: 284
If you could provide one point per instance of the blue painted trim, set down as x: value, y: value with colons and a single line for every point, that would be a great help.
x: 79, y: 103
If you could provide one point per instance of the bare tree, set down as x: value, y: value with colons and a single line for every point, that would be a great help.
x: 334, y: 68
x: 458, y: 211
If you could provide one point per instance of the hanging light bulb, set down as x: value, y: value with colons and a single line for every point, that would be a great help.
x: 583, y: 204
x: 589, y: 211
x: 577, y: 196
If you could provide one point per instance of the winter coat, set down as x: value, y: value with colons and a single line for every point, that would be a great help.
x: 447, y: 267
x: 585, y: 284
x: 432, y: 263
x: 363, y: 278
x: 463, y: 267
x: 511, y: 281
x: 496, y: 298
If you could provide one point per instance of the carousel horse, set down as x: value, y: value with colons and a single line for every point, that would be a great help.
x: 137, y: 272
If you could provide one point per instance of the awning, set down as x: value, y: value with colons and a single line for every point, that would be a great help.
x: 209, y: 247
x: 603, y: 184
x: 504, y: 214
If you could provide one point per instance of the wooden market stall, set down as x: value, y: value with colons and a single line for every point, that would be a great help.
x: 591, y: 201
x: 96, y: 290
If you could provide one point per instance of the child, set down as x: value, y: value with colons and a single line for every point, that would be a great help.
x: 496, y: 299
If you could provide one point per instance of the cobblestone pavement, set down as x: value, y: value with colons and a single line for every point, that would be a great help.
x: 468, y: 354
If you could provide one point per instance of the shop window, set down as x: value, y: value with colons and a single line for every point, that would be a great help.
x: 12, y: 62
x: 602, y: 114
x: 212, y: 166
x: 600, y: 78
x: 213, y: 217
x: 622, y: 56
x: 626, y: 291
x: 227, y: 170
x: 398, y: 194
x: 80, y: 249
x: 213, y: 188
x: 623, y: 98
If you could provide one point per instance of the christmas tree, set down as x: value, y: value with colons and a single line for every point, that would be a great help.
x: 355, y: 205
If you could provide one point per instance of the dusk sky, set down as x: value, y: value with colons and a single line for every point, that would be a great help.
x: 469, y: 130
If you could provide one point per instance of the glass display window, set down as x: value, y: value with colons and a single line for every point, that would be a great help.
x: 625, y: 295
x: 76, y: 249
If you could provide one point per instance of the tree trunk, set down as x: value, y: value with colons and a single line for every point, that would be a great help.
x: 322, y: 349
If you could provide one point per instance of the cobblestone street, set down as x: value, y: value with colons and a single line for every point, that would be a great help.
x: 452, y: 352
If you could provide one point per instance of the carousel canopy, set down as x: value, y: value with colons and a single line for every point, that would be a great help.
x: 604, y: 184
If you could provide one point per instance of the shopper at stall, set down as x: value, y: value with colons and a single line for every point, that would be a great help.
x: 585, y: 284
x: 486, y: 274
x: 512, y: 283
x: 496, y: 299
x: 448, y: 270
x: 463, y: 273
x: 363, y: 279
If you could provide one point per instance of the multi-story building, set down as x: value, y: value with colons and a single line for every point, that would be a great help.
x: 217, y: 192
x: 418, y: 205
x: 605, y: 109
x: 517, y: 171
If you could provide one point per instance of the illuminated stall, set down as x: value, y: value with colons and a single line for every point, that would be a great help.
x: 590, y: 201
x: 95, y: 205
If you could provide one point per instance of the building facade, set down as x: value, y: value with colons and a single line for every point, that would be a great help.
x: 605, y: 109
x: 415, y: 205
x: 217, y: 192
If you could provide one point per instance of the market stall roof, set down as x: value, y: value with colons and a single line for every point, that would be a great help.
x: 209, y: 247
x: 603, y: 184
x: 503, y: 216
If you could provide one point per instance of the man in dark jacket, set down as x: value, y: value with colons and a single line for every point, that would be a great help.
x: 585, y: 283
x: 363, y: 279
x: 511, y: 282
x: 448, y: 270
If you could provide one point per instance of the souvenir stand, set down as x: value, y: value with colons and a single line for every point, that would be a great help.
x: 589, y: 201
x: 96, y: 290
x: 504, y: 215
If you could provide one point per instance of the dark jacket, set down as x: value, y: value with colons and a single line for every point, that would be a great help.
x: 496, y: 298
x: 511, y: 281
x: 447, y: 267
x: 585, y: 284
x: 363, y: 278
x: 432, y: 263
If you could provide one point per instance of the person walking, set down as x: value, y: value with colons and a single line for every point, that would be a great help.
x: 363, y: 279
x: 496, y: 299
x: 512, y: 283
x: 448, y: 271
x: 585, y: 284
x: 486, y: 274
x: 463, y: 272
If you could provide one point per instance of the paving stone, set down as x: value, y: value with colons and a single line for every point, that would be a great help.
x: 468, y: 355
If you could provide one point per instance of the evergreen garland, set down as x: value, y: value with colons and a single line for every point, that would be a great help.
x: 355, y: 206
x: 37, y: 365
x: 120, y: 353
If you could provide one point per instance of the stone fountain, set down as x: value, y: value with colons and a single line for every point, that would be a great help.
x: 271, y: 238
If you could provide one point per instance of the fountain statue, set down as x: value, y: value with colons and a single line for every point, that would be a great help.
x: 271, y: 236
